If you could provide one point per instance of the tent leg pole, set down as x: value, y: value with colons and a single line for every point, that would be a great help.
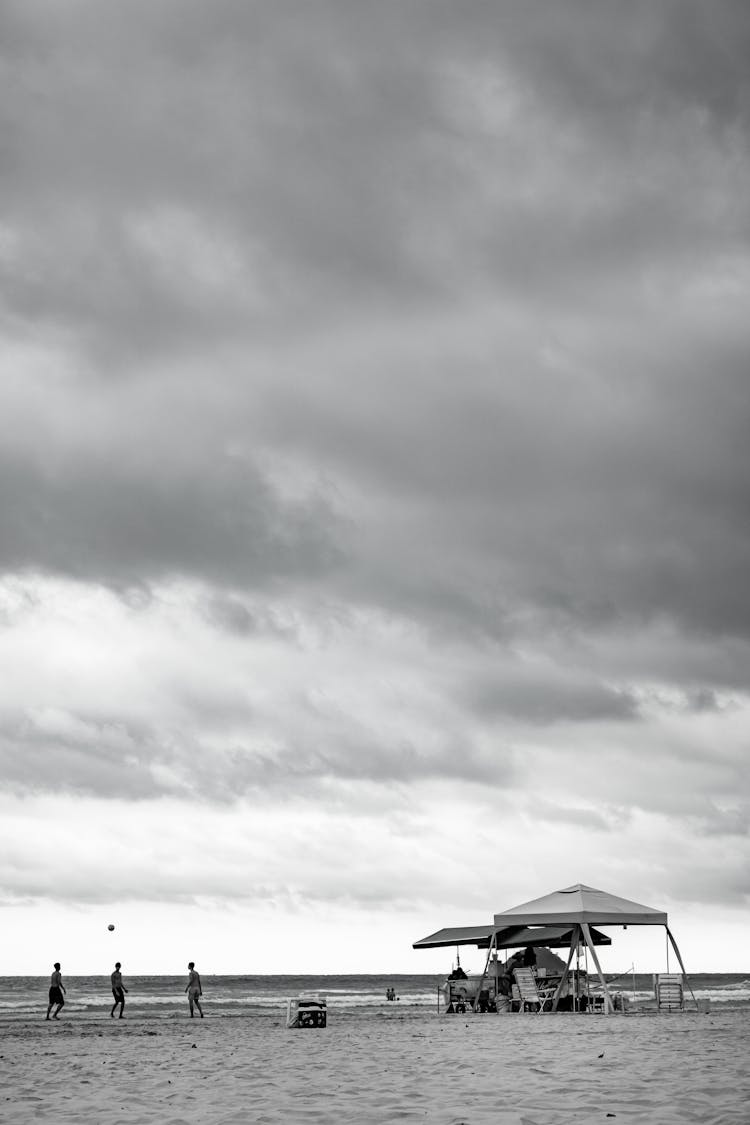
x: 608, y: 1005
x: 475, y: 1001
x: 574, y: 938
x: 679, y: 958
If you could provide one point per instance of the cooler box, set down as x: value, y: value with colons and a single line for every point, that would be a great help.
x: 306, y: 1010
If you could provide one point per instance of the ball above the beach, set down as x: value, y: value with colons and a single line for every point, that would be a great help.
x: 110, y: 927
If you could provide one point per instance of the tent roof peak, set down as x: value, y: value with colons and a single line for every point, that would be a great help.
x: 581, y: 903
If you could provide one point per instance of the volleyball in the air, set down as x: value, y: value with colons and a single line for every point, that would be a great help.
x: 110, y: 927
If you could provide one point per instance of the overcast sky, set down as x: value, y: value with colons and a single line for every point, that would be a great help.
x: 374, y: 475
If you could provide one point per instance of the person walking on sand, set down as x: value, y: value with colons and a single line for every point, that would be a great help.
x: 56, y: 990
x: 118, y: 991
x: 194, y: 990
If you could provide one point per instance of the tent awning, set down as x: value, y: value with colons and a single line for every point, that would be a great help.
x: 509, y: 937
x: 479, y: 936
x: 579, y: 904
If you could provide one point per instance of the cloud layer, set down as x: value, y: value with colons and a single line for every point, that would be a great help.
x: 373, y: 438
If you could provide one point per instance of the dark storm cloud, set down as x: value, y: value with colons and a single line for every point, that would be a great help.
x: 600, y: 499
x: 539, y: 700
x: 472, y: 279
x: 231, y: 614
x: 733, y: 821
x: 201, y: 758
x: 702, y: 700
x: 76, y: 754
x: 120, y: 524
x: 615, y: 62
x: 328, y: 155
x: 591, y: 819
x: 277, y: 139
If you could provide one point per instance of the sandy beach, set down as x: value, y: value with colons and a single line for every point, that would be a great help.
x: 513, y: 1070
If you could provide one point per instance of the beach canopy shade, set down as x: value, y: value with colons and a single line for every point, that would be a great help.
x: 509, y: 937
x: 568, y: 916
x: 579, y: 904
x: 480, y: 936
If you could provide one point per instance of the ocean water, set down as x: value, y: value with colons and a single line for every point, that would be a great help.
x: 162, y: 997
x: 229, y: 996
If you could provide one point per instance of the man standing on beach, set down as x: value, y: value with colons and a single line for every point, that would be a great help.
x: 56, y: 990
x: 194, y: 990
x: 118, y: 990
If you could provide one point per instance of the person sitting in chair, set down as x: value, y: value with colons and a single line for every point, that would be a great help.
x: 504, y: 985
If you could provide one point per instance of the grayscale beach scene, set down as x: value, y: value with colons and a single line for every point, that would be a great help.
x: 374, y: 556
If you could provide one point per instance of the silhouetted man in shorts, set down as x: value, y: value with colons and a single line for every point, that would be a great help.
x: 194, y: 990
x: 118, y: 990
x: 56, y: 991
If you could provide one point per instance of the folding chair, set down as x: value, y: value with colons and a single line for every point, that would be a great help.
x: 670, y: 993
x: 532, y: 997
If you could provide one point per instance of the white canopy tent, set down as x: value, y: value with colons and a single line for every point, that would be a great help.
x: 583, y: 907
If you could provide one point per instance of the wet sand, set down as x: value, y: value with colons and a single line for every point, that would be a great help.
x: 524, y: 1070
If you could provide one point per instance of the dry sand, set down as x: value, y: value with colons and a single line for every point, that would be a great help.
x: 524, y: 1070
